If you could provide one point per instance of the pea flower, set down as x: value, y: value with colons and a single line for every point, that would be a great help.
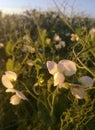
x: 64, y: 67
x: 57, y: 38
x: 92, y: 31
x: 1, y: 45
x: 7, y: 79
x: 60, y: 45
x: 16, y: 98
x: 48, y: 41
x: 30, y: 63
x: 74, y: 37
x: 78, y: 90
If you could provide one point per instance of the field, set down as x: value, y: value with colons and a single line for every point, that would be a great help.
x: 47, y: 71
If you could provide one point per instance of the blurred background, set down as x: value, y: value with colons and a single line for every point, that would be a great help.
x: 19, y: 20
x: 85, y: 7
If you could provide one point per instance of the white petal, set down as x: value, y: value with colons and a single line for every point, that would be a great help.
x: 15, y: 100
x: 11, y: 75
x: 86, y: 81
x: 78, y: 92
x: 58, y: 46
x: 6, y: 82
x: 67, y: 66
x: 57, y: 37
x: 52, y: 67
x: 11, y: 90
x: 62, y: 43
x: 58, y: 79
x: 21, y: 95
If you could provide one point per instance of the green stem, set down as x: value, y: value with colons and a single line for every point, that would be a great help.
x: 25, y: 58
x: 53, y: 99
x: 52, y: 108
x: 34, y: 95
x: 85, y: 67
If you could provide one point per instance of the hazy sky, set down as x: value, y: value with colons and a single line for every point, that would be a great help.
x: 87, y: 6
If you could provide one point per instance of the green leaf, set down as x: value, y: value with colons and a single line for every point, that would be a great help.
x: 9, y: 48
x: 10, y: 64
x: 43, y: 36
x: 17, y: 67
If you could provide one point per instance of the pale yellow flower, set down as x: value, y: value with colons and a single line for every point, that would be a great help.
x: 92, y: 31
x: 7, y: 79
x: 1, y: 45
x: 74, y: 37
x: 11, y: 75
x: 57, y: 38
x: 30, y: 63
x: 48, y: 41
x: 15, y: 100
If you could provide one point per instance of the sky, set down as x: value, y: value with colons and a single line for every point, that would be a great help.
x: 18, y: 6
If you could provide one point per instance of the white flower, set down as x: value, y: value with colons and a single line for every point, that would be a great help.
x: 30, y: 63
x: 78, y: 90
x: 68, y: 67
x: 18, y: 93
x: 7, y: 78
x: 57, y: 38
x: 11, y: 75
x: 48, y: 41
x: 92, y: 31
x: 74, y: 37
x: 1, y: 45
x: 64, y: 66
x: 60, y: 45
x: 16, y: 99
x: 86, y: 81
x: 58, y: 79
x: 6, y: 82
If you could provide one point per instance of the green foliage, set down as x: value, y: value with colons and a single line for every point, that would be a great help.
x: 48, y: 107
x: 10, y: 65
x: 9, y: 48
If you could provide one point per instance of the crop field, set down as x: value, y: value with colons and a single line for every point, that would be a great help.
x: 47, y: 71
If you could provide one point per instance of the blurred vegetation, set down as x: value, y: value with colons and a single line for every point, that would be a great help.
x: 23, y: 29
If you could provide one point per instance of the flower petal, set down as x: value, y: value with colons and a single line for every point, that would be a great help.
x: 11, y: 90
x: 67, y: 66
x: 58, y: 79
x: 15, y: 100
x: 11, y: 75
x: 78, y: 92
x: 21, y: 95
x: 86, y: 81
x: 52, y: 67
x: 6, y: 82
